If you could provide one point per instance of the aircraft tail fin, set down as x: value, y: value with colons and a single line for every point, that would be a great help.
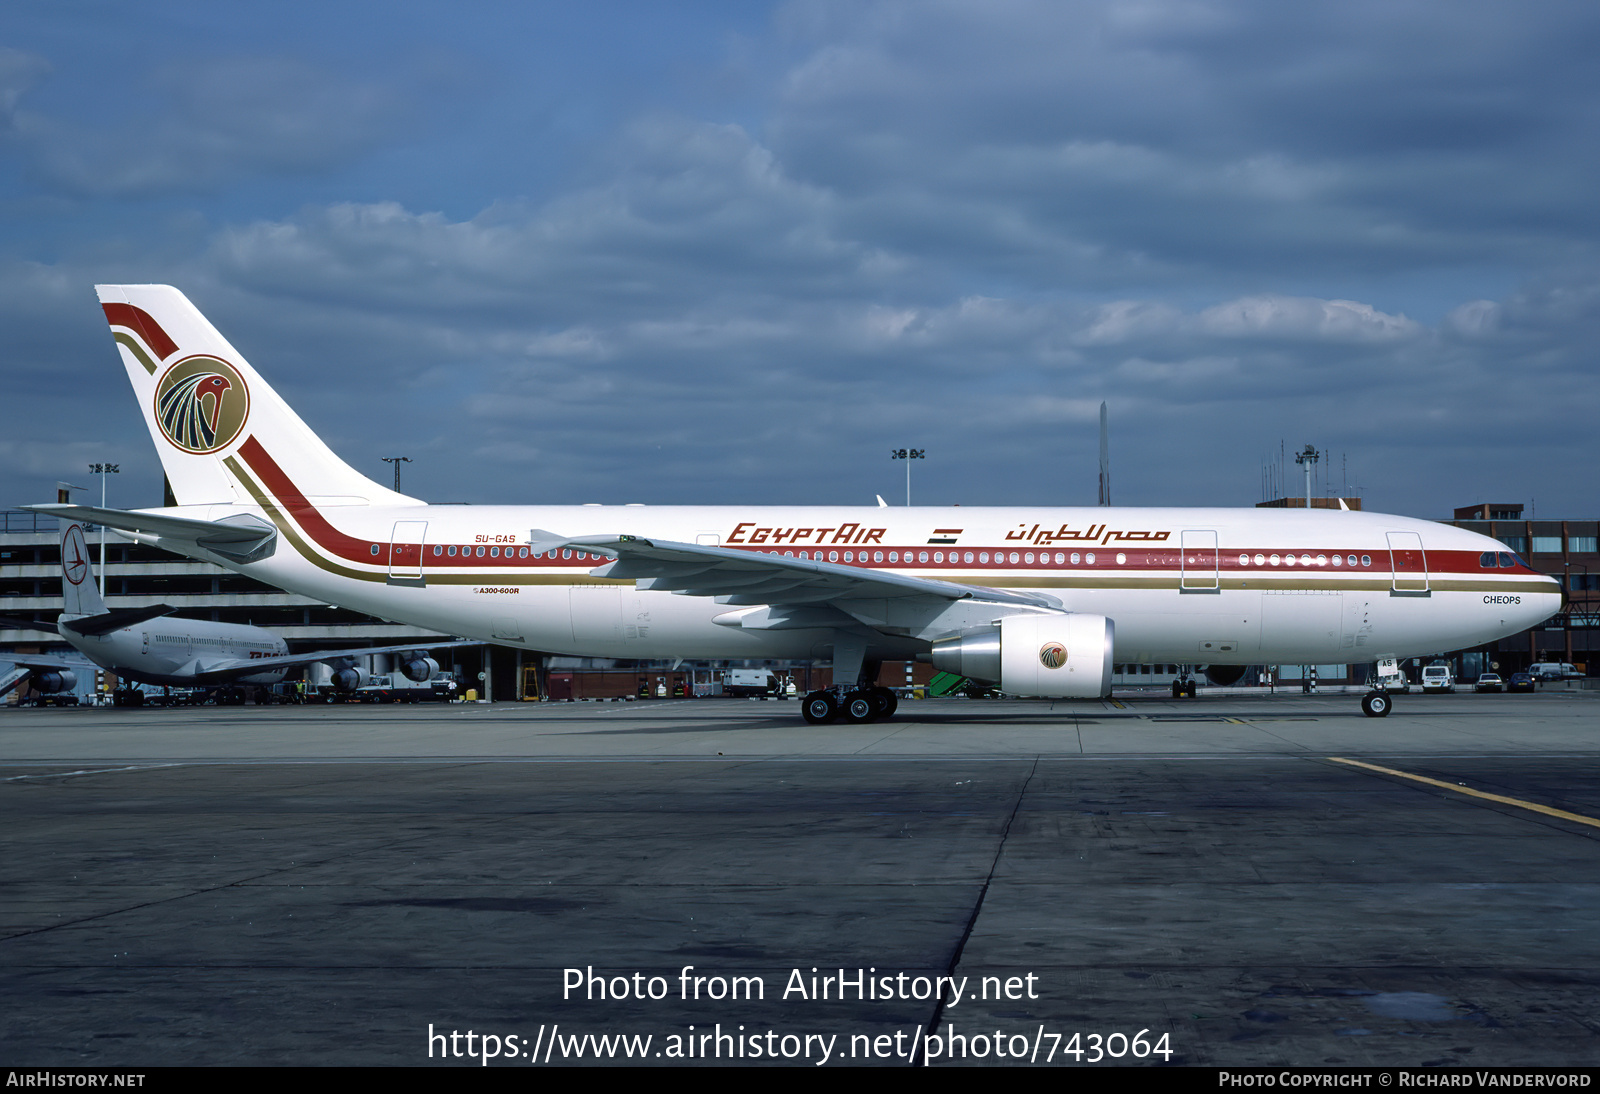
x: 223, y: 434
x: 78, y: 593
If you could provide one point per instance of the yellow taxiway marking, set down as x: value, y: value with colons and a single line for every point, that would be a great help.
x: 1535, y: 806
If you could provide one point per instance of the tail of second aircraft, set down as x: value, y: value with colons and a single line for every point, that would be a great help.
x: 223, y: 434
x: 79, y: 596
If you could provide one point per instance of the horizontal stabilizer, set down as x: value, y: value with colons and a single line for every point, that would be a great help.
x: 95, y: 625
x: 242, y: 537
x: 18, y: 623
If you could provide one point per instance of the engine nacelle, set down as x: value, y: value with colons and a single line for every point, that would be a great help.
x: 1059, y: 656
x: 419, y: 669
x: 1225, y: 676
x: 55, y: 681
x: 347, y: 679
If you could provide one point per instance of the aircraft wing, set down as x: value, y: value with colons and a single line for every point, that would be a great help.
x: 26, y: 663
x: 751, y: 577
x: 225, y: 669
x: 44, y: 661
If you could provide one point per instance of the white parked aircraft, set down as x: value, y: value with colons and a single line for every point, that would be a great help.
x: 1037, y: 601
x: 151, y: 646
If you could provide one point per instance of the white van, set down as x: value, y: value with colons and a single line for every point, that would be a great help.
x: 1438, y: 678
x: 1553, y: 670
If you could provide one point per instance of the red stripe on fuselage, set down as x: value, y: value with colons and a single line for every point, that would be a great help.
x: 292, y: 501
x: 137, y: 319
x: 1440, y: 563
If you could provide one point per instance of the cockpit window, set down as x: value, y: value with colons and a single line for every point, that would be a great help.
x: 1486, y: 560
x: 1508, y: 560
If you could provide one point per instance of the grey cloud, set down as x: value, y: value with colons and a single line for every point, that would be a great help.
x: 1099, y: 144
x: 214, y: 121
x: 19, y: 72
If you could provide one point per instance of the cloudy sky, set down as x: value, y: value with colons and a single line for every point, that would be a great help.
x: 733, y: 252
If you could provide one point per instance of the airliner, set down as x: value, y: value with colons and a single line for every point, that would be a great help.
x: 1038, y: 602
x: 149, y: 645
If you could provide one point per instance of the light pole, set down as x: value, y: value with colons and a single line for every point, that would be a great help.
x: 397, y: 461
x: 103, y: 469
x: 1308, y: 459
x: 908, y: 454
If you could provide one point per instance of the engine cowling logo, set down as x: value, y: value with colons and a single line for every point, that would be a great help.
x: 201, y: 404
x: 1052, y: 655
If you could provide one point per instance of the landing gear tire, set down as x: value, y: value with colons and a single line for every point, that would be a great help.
x: 860, y: 707
x: 819, y: 708
x: 1376, y: 704
x: 888, y: 702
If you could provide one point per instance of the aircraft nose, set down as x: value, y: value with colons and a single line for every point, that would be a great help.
x: 1552, y: 599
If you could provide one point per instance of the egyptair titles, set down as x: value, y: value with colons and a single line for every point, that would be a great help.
x: 749, y: 532
x: 1095, y: 533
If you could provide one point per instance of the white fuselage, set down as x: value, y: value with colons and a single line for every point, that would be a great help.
x: 171, y: 651
x: 1190, y: 586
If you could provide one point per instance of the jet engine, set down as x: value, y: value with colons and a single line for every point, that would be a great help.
x: 419, y: 669
x: 1225, y: 676
x: 55, y: 681
x: 347, y: 679
x: 1067, y: 656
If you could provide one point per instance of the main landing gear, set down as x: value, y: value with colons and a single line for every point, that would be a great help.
x: 1376, y: 703
x: 857, y: 705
